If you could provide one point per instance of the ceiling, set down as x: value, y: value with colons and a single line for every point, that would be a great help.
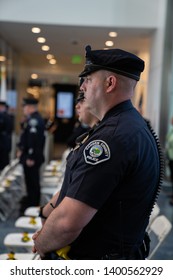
x: 64, y: 42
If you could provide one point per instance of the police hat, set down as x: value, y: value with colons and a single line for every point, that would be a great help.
x: 81, y: 80
x: 80, y: 97
x: 114, y: 60
x: 29, y: 101
x: 3, y: 103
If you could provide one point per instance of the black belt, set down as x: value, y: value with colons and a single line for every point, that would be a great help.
x: 140, y: 253
x: 137, y: 255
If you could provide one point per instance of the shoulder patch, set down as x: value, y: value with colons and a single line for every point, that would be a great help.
x: 33, y: 122
x: 96, y: 152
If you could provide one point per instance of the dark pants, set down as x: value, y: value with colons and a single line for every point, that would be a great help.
x: 4, y: 159
x: 32, y: 181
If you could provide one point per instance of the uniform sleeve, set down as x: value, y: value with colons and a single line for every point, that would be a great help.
x: 97, y: 172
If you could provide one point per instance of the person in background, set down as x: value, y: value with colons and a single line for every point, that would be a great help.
x: 112, y: 179
x: 85, y: 120
x: 78, y: 129
x: 12, y: 124
x: 169, y: 155
x: 31, y: 150
x: 84, y: 115
x: 6, y: 129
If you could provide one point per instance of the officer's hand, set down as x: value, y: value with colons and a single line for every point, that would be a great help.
x: 36, y: 234
x: 30, y: 162
x: 34, y: 250
x: 19, y: 153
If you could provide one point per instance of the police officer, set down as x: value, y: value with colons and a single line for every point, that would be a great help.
x: 31, y: 147
x: 85, y: 121
x: 6, y: 128
x: 112, y: 181
x: 80, y: 127
x: 84, y: 115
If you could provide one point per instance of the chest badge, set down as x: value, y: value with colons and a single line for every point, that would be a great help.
x: 96, y: 152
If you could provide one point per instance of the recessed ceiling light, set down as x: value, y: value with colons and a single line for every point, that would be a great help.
x: 49, y: 56
x: 109, y: 43
x: 2, y: 58
x: 34, y: 76
x: 41, y: 40
x: 52, y: 61
x: 45, y: 48
x: 113, y: 34
x: 36, y: 30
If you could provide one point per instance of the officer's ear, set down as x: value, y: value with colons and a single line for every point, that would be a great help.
x: 111, y: 83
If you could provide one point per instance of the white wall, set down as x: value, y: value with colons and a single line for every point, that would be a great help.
x: 134, y: 13
x: 155, y: 71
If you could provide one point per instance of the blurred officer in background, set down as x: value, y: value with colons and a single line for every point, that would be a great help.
x: 112, y: 180
x: 84, y: 117
x: 83, y: 113
x: 31, y: 150
x: 85, y: 120
x: 80, y: 127
x: 6, y: 129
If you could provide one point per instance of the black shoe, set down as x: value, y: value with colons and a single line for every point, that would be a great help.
x: 171, y: 201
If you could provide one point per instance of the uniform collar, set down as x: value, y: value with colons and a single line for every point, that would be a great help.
x: 33, y: 114
x: 82, y: 138
x: 121, y: 107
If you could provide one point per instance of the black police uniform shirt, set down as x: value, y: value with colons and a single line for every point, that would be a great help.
x: 115, y: 171
x: 32, y: 139
x: 6, y: 129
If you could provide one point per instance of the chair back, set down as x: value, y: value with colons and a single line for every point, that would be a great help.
x: 155, y: 212
x: 161, y: 226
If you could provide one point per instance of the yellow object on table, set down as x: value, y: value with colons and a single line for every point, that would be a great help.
x: 25, y: 237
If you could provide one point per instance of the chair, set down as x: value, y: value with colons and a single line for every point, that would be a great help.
x: 18, y: 256
x: 32, y: 211
x: 23, y: 240
x: 155, y: 212
x: 9, y: 168
x: 160, y: 227
x: 49, y: 191
x: 5, y: 170
x: 2, y: 189
x: 29, y: 222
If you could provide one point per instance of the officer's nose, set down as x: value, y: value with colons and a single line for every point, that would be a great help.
x: 83, y: 86
x: 77, y: 106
